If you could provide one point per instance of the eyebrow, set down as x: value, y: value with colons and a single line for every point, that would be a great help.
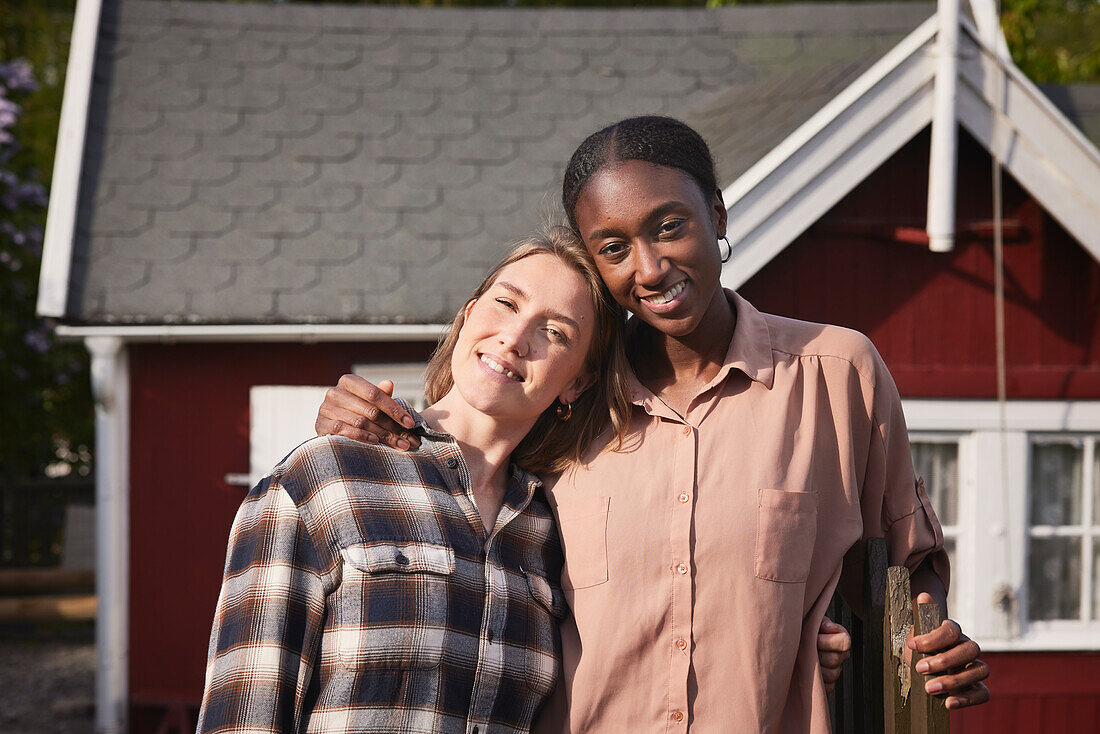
x: 523, y: 294
x: 657, y: 213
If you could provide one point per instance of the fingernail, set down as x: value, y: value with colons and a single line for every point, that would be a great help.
x: 408, y: 422
x: 371, y: 438
x: 403, y: 444
x: 934, y: 687
x: 912, y: 645
x: 922, y: 666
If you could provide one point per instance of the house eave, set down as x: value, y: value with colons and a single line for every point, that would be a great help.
x: 307, y: 333
x: 57, y: 248
x: 789, y: 189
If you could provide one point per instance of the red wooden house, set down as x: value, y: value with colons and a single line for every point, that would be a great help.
x: 252, y: 199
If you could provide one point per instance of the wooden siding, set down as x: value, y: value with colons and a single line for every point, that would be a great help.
x: 931, y: 315
x: 1037, y: 693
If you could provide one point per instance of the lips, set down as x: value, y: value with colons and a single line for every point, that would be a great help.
x: 667, y: 300
x: 499, y: 367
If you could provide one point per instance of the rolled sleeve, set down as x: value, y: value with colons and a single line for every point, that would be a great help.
x: 906, y: 518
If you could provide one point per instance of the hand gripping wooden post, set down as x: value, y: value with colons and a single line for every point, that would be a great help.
x: 929, y: 711
x: 879, y: 692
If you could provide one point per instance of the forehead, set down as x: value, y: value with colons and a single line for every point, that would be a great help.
x: 548, y: 281
x: 632, y: 188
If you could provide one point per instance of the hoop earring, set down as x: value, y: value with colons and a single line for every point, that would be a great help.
x: 565, y: 411
x: 729, y: 249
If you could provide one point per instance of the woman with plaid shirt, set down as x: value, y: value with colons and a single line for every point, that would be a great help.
x: 372, y: 590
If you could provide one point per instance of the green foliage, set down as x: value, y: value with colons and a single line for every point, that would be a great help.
x: 1054, y: 40
x: 46, y: 419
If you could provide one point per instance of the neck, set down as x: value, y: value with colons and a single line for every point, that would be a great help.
x: 487, y: 442
x: 661, y: 360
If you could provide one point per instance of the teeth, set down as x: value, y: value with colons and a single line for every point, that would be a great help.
x: 667, y: 295
x: 497, y: 367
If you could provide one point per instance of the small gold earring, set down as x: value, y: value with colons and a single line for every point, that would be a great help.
x: 565, y: 411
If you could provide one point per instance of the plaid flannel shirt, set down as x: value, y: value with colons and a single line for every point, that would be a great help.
x: 362, y: 593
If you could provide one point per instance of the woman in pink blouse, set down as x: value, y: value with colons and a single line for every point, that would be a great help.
x: 700, y: 559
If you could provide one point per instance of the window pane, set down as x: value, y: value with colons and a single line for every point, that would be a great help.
x: 938, y: 463
x: 1056, y: 483
x: 1054, y: 578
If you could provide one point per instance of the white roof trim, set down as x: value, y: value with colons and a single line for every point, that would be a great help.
x: 828, y: 114
x: 830, y: 154
x: 57, y: 248
x: 789, y: 189
x: 261, y: 333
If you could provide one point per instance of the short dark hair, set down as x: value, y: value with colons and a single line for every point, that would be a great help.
x: 663, y: 141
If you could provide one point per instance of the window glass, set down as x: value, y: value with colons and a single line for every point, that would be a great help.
x: 938, y: 464
x: 1056, y: 483
x: 1054, y: 578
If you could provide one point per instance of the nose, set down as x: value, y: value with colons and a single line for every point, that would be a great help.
x: 650, y: 266
x: 513, y: 337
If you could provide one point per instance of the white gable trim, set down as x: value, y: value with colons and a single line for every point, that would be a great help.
x: 57, y: 247
x: 260, y: 332
x: 1043, y: 151
x: 807, y: 174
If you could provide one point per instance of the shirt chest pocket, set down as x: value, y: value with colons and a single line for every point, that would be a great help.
x: 786, y: 529
x: 391, y: 608
x: 545, y: 607
x: 582, y: 522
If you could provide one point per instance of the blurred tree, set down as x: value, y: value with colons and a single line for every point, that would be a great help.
x: 1054, y: 40
x: 46, y: 419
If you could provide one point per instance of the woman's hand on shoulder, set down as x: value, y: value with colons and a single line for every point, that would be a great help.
x: 365, y: 412
x: 951, y: 661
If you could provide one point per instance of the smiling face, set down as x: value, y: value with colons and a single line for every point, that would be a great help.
x: 654, y: 236
x: 525, y: 341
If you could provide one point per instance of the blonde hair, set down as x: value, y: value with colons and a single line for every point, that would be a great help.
x: 554, y: 445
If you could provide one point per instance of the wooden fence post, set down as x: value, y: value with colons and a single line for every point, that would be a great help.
x: 929, y: 712
x: 879, y: 693
x: 868, y: 664
x: 897, y: 623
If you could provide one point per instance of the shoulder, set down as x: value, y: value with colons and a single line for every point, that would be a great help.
x: 324, y: 459
x: 806, y: 339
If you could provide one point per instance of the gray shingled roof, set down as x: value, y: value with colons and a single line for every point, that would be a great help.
x: 1081, y: 104
x: 259, y: 163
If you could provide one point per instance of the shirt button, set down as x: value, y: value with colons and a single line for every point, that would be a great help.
x: 681, y: 568
x: 402, y: 559
x: 684, y: 497
x: 677, y: 716
x: 452, y: 462
x: 490, y: 636
x: 687, y: 432
x: 681, y: 644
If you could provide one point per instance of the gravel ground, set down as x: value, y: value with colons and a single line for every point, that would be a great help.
x: 47, y: 679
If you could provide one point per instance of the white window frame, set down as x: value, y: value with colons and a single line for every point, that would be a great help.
x: 992, y: 543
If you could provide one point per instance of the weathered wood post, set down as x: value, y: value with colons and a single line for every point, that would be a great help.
x: 868, y: 664
x: 897, y: 623
x: 880, y: 693
x: 929, y: 712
